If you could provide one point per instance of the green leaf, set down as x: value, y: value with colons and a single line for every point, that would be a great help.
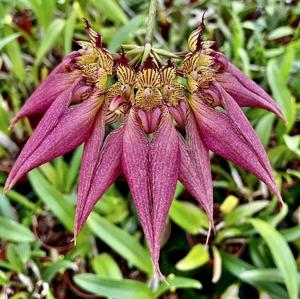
x: 4, y: 123
x: 113, y: 206
x: 281, y: 93
x: 264, y: 128
x: 277, y: 218
x: 74, y: 168
x: 122, y: 289
x: 20, y: 199
x: 179, y: 189
x: 229, y: 203
x: 13, y: 231
x: 244, y: 211
x: 174, y: 282
x: 217, y: 271
x: 6, y: 40
x: 242, y: 53
x: 123, y: 243
x: 50, y: 173
x: 50, y: 272
x: 197, y: 257
x: 280, y: 155
x: 15, y: 55
x: 111, y: 10
x: 294, y: 173
x: 188, y: 216
x: 281, y: 253
x: 105, y: 266
x: 227, y: 233
x: 293, y: 143
x: 280, y: 32
x: 272, y: 275
x: 125, y: 32
x: 3, y: 278
x: 259, y: 253
x: 291, y: 234
x: 236, y: 267
x: 238, y: 38
x: 49, y: 294
x: 24, y: 252
x: 69, y: 30
x: 60, y: 167
x: 44, y: 10
x: 13, y: 257
x: 287, y: 62
x: 53, y: 199
x: 51, y: 36
x: 6, y: 209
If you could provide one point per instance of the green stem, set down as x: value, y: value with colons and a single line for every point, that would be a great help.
x: 151, y: 21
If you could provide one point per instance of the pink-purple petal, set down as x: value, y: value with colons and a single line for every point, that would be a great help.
x: 91, y: 155
x: 241, y: 122
x: 164, y: 169
x: 46, y: 93
x: 222, y: 135
x: 136, y: 167
x: 195, y: 169
x: 244, y: 90
x: 46, y: 125
x: 107, y: 170
x: 72, y: 128
x: 247, y: 131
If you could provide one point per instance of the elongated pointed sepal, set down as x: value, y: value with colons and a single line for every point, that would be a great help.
x: 61, y: 137
x: 195, y: 169
x: 164, y: 170
x: 106, y: 169
x: 244, y: 90
x: 47, y: 92
x: 136, y: 167
x: 151, y: 170
x: 91, y: 155
x: 233, y: 140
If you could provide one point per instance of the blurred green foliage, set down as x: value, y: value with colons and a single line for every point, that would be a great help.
x: 256, y: 247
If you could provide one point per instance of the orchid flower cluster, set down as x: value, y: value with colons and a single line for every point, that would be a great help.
x: 149, y: 108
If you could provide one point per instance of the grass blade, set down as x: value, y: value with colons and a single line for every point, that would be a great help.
x: 281, y: 253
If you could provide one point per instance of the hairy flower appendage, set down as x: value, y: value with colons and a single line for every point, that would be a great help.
x: 149, y: 103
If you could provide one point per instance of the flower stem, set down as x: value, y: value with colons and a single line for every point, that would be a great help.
x: 151, y: 21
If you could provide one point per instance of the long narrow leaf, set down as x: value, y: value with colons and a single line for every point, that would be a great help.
x: 281, y: 253
x: 113, y: 288
x: 13, y: 231
x: 51, y: 36
x: 236, y: 267
x: 123, y: 243
x: 53, y: 199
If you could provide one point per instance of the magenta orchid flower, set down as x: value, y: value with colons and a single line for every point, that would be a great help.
x: 72, y: 99
x: 146, y: 147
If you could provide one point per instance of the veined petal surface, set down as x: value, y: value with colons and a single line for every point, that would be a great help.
x: 91, y: 155
x: 72, y: 129
x: 244, y: 90
x: 46, y: 93
x: 107, y: 170
x: 164, y: 170
x: 195, y: 169
x: 224, y: 137
x: 136, y: 167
